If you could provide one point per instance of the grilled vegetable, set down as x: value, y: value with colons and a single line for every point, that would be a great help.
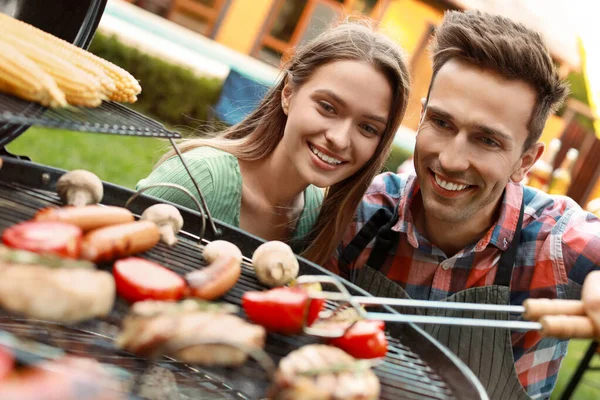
x: 321, y: 372
x: 117, y: 241
x: 86, y: 217
x: 80, y: 88
x: 79, y: 188
x: 205, y: 338
x: 168, y: 220
x: 7, y: 362
x: 216, y: 279
x: 68, y: 378
x: 275, y: 263
x: 44, y: 237
x: 56, y: 294
x: 365, y: 339
x: 139, y: 279
x: 23, y: 78
x: 126, y: 86
x: 14, y: 256
x: 217, y: 248
x: 283, y: 309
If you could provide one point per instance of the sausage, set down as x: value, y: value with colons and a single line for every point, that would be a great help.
x: 116, y: 241
x: 537, y: 308
x: 216, y: 279
x: 86, y: 217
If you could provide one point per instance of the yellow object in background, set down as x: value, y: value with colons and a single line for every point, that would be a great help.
x: 561, y: 177
x: 540, y: 174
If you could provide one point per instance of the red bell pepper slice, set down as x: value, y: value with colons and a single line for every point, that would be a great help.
x: 7, y: 362
x: 282, y: 309
x: 365, y: 339
x: 138, y: 279
x: 45, y: 237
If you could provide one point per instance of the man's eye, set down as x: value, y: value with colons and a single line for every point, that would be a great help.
x: 441, y: 123
x: 327, y: 107
x: 489, y: 142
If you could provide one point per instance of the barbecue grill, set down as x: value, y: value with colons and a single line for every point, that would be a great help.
x: 416, y: 367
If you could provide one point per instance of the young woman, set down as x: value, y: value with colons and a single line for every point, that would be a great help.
x: 329, y: 123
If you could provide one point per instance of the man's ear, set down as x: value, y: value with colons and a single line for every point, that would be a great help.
x: 529, y: 157
x: 286, y: 95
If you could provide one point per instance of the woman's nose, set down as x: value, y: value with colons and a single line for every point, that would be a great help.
x: 339, y: 134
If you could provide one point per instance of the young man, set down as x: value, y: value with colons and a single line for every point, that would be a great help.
x: 464, y: 229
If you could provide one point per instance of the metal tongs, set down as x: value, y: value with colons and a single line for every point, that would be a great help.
x: 555, y: 318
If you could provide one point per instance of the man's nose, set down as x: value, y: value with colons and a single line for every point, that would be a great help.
x: 454, y: 154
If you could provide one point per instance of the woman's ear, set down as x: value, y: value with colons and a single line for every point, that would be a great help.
x: 286, y: 95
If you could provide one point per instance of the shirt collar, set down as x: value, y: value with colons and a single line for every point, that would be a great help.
x: 499, y: 235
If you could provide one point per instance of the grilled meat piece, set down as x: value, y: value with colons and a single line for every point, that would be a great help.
x: 56, y: 294
x: 173, y: 329
x: 321, y: 372
x: 70, y: 378
x: 159, y: 384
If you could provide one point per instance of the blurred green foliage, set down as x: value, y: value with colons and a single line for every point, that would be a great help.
x: 170, y: 93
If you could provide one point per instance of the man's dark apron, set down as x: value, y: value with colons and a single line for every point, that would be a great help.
x: 487, y: 351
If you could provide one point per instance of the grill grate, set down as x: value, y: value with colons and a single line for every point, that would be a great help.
x: 403, y: 375
x: 110, y: 117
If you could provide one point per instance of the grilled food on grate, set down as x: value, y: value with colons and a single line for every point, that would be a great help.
x: 321, y: 372
x: 83, y: 78
x: 52, y: 293
x: 189, y: 332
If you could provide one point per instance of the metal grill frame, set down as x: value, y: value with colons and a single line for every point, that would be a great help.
x: 453, y: 372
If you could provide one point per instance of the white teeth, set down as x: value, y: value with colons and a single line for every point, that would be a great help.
x: 324, y: 157
x: 449, y: 185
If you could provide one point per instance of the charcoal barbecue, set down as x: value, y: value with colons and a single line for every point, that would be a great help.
x: 416, y: 367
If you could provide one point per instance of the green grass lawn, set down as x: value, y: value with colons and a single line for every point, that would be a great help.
x: 122, y: 160
x: 589, y: 385
x: 125, y: 160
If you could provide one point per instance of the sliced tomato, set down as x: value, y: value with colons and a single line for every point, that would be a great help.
x: 7, y: 362
x: 365, y: 339
x: 45, y: 237
x: 139, y: 279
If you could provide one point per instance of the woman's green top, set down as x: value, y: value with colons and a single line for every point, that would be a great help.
x: 220, y: 180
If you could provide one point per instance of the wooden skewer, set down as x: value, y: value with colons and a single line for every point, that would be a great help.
x: 568, y: 327
x: 538, y: 308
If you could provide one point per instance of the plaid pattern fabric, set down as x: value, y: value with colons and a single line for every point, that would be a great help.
x: 560, y: 245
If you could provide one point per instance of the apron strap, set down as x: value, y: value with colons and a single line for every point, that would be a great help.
x: 508, y: 257
x: 368, y: 232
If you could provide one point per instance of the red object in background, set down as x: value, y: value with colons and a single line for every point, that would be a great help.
x: 45, y: 237
x: 282, y: 309
x: 138, y: 279
x: 7, y: 362
x: 365, y: 339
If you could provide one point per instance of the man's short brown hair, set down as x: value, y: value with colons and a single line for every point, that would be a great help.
x: 508, y: 48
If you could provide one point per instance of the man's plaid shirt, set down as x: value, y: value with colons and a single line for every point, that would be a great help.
x: 560, y: 245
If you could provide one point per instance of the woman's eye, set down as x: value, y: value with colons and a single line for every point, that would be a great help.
x: 327, y: 107
x: 489, y: 142
x: 370, y: 129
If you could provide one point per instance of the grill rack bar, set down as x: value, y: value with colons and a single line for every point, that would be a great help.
x: 432, y: 372
x: 111, y: 118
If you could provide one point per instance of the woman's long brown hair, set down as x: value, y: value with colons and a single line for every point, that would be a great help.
x: 258, y: 134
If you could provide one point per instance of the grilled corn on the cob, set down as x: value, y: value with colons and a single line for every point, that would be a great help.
x: 117, y: 84
x: 80, y: 88
x: 22, y: 77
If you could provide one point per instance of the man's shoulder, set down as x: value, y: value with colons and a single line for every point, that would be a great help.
x: 541, y: 205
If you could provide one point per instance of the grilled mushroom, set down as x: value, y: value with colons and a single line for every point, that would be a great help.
x: 275, y: 263
x: 217, y: 248
x: 79, y: 188
x: 167, y: 218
